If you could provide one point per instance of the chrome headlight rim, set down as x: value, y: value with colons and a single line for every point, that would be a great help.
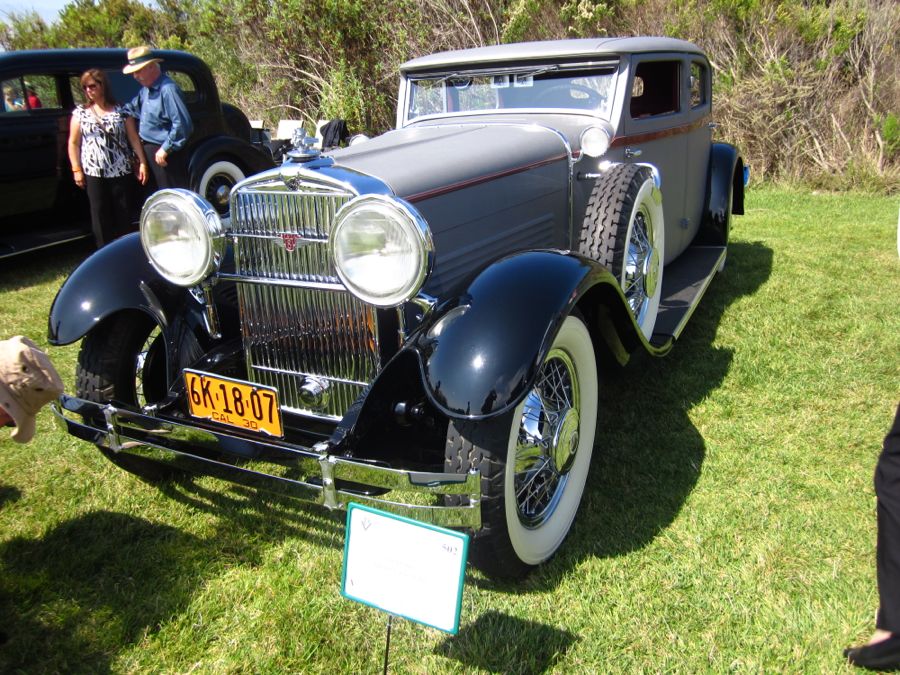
x: 412, y: 224
x: 595, y: 141
x: 206, y: 223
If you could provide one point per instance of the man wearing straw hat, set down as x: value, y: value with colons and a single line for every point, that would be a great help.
x: 165, y: 123
x: 28, y: 381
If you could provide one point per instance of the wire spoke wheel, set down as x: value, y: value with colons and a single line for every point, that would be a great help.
x: 547, y: 440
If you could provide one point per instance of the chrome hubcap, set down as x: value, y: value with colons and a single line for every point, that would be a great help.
x: 547, y: 440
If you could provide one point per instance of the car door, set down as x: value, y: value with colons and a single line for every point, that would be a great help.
x: 699, y: 140
x: 654, y: 127
x: 33, y: 134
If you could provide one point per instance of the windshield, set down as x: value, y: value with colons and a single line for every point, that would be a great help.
x: 582, y: 89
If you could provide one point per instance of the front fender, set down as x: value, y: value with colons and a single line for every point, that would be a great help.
x: 724, y: 193
x: 115, y: 278
x: 481, y: 353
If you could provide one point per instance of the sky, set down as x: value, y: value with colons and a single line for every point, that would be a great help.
x: 48, y: 9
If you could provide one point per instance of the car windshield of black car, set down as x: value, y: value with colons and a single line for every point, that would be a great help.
x: 576, y: 87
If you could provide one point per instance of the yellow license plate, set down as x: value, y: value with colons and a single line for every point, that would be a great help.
x: 240, y: 404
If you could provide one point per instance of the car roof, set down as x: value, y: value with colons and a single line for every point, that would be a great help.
x: 81, y: 59
x: 548, y: 51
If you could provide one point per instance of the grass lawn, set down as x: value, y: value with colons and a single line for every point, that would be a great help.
x: 728, y: 521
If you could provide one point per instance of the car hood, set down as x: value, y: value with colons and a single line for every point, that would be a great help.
x: 418, y: 162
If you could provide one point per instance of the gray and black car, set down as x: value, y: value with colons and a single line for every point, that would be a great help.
x: 40, y: 205
x: 416, y: 322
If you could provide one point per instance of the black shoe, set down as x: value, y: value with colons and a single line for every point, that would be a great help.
x: 884, y: 655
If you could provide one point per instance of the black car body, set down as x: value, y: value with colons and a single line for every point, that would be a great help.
x: 40, y: 205
x: 422, y: 313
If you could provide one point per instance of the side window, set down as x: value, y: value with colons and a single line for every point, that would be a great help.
x: 75, y: 89
x: 12, y: 96
x: 699, y: 85
x: 30, y: 92
x: 186, y: 84
x: 655, y: 89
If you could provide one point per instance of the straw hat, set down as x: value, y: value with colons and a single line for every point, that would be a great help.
x: 28, y: 381
x: 138, y: 57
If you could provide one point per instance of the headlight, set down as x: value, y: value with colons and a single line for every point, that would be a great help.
x: 594, y: 141
x: 182, y: 236
x: 382, y: 249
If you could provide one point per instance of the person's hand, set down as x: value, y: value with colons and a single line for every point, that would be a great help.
x: 160, y: 157
x: 78, y: 175
x: 143, y: 173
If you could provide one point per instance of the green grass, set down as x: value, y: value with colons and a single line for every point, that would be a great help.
x: 728, y: 522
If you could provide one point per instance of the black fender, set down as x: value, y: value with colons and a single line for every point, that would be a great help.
x: 724, y: 193
x: 117, y: 277
x: 480, y: 353
x: 248, y: 157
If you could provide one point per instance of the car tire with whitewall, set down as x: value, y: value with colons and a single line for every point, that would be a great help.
x: 533, y: 460
x: 216, y: 181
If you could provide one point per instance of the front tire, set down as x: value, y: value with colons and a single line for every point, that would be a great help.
x: 534, y: 460
x: 623, y: 231
x: 123, y: 361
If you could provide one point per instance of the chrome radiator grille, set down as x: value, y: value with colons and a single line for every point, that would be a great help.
x: 299, y: 324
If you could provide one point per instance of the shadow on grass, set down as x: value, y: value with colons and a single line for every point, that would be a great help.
x: 9, y: 493
x: 269, y: 517
x: 70, y: 599
x: 498, y: 643
x: 647, y: 454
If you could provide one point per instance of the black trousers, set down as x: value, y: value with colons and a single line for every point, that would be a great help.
x: 887, y: 489
x: 114, y: 209
x: 173, y: 175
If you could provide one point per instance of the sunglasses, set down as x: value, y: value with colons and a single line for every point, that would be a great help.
x: 92, y: 85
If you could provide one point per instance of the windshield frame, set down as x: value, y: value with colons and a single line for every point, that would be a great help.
x: 517, y: 76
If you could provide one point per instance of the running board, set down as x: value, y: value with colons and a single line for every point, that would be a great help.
x: 36, y: 238
x: 685, y: 280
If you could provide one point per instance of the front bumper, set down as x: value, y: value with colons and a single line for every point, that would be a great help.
x: 309, y: 474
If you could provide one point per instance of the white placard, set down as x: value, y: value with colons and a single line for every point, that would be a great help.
x: 404, y: 567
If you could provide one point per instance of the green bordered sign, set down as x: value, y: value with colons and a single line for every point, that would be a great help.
x: 404, y: 567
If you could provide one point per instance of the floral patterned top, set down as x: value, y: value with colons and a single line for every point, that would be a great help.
x: 105, y: 152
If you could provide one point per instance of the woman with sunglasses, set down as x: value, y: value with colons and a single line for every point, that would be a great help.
x: 103, y: 143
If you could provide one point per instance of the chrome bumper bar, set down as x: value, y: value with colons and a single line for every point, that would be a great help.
x: 309, y: 474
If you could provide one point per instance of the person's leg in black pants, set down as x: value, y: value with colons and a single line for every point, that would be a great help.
x: 122, y: 192
x: 174, y: 174
x: 102, y: 216
x: 883, y: 649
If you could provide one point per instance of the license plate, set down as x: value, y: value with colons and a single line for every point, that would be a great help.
x: 240, y: 404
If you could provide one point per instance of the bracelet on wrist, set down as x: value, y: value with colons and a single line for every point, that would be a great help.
x: 77, y: 170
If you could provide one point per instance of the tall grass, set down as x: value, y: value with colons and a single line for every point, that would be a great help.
x: 728, y: 522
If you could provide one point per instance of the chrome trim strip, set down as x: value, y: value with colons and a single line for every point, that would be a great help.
x: 324, y: 377
x: 290, y: 283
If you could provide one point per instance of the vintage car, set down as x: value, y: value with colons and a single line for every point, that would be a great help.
x: 40, y: 205
x: 416, y: 322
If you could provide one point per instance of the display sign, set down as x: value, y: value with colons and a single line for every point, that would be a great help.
x: 404, y: 567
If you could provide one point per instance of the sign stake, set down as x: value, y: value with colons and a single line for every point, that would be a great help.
x: 387, y: 644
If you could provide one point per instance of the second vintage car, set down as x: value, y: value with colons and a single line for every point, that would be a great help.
x: 40, y: 205
x: 416, y: 322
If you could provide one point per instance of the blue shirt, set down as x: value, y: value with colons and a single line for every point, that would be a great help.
x: 164, y: 119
